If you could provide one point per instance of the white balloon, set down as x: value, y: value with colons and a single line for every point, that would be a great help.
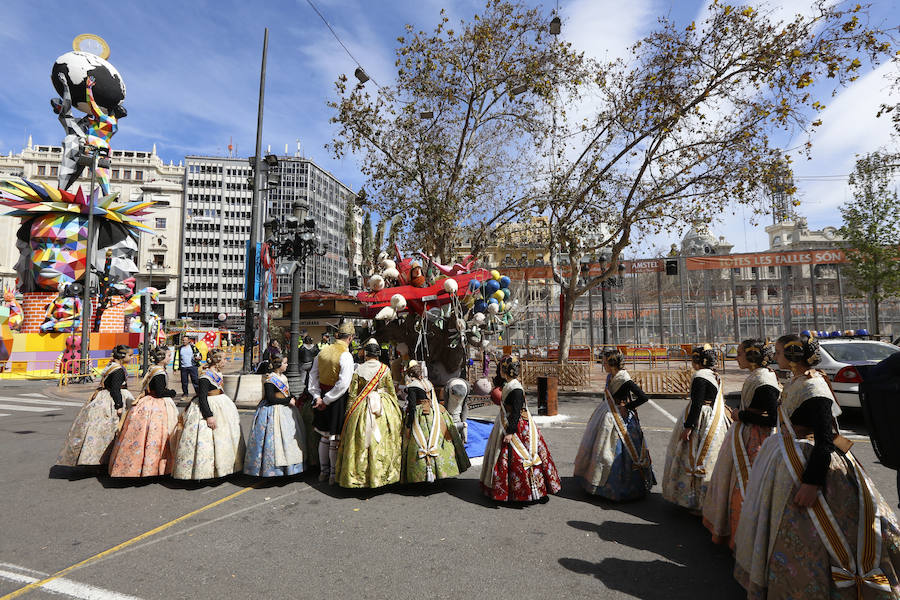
x: 398, y: 302
x: 388, y: 264
x: 450, y: 286
x: 376, y: 283
x: 386, y: 314
x: 493, y: 308
x: 479, y: 318
x: 383, y: 256
x: 392, y: 273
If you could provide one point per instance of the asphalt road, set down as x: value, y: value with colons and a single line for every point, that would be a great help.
x: 296, y: 537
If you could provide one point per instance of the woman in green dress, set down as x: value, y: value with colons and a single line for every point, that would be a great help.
x: 432, y: 448
x: 369, y: 454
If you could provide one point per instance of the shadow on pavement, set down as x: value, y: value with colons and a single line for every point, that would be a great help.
x: 75, y: 473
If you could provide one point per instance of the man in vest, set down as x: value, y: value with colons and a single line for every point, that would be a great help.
x: 329, y: 380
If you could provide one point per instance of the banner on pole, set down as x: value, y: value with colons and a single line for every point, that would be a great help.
x: 766, y: 259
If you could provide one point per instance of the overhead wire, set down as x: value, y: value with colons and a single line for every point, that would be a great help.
x: 337, y: 37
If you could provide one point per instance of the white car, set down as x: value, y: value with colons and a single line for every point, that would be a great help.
x: 846, y: 361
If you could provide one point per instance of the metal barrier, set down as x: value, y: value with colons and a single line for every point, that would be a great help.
x: 25, y: 369
x: 75, y: 369
x: 570, y: 374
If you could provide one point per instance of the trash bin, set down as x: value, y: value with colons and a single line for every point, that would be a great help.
x: 546, y: 389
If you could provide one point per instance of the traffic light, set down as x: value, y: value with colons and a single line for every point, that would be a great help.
x: 671, y: 266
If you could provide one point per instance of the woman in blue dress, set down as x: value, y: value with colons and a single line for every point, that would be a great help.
x: 276, y: 442
x: 613, y: 461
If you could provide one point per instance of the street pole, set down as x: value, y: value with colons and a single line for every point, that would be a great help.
x: 812, y: 289
x: 603, y: 303
x: 659, y: 303
x: 681, y: 268
x: 591, y: 319
x: 840, y: 284
x: 86, y: 294
x: 759, y: 306
x: 734, y: 310
x: 251, y: 288
x: 295, y: 379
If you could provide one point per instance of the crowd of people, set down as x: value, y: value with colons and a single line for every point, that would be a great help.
x: 773, y: 478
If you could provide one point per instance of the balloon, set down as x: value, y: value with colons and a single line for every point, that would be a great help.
x: 474, y: 284
x: 482, y: 387
x: 492, y: 285
x: 392, y: 273
x: 480, y: 306
x: 388, y: 264
x: 376, y: 283
x: 469, y: 301
x: 495, y: 275
x: 493, y: 301
x: 496, y: 395
x: 498, y: 295
x: 479, y: 318
x: 503, y: 306
x: 386, y: 314
x: 504, y: 282
x: 450, y: 286
x: 506, y: 293
x: 493, y: 308
x: 398, y: 302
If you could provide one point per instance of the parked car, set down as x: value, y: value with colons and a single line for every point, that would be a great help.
x: 846, y: 361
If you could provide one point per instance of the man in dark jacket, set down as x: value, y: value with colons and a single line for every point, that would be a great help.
x: 880, y: 395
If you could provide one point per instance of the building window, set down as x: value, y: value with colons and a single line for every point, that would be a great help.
x: 42, y: 170
x: 160, y: 222
x: 159, y: 260
x: 54, y: 171
x: 139, y: 175
x: 115, y: 173
x: 126, y: 173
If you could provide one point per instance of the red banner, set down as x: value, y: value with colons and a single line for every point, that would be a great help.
x: 766, y: 259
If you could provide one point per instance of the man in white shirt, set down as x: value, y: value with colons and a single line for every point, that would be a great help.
x: 329, y: 380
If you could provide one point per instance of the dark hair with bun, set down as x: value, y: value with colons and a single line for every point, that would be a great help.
x: 121, y: 352
x: 758, y: 352
x: 511, y: 366
x: 613, y: 358
x: 414, y: 370
x: 215, y: 356
x: 799, y: 349
x: 704, y: 356
x: 158, y: 354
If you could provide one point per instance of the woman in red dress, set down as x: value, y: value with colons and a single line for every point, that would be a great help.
x: 517, y: 464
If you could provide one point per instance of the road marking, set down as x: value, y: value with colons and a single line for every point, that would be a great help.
x: 42, y: 582
x: 65, y: 587
x: 477, y: 461
x: 665, y: 413
x: 25, y: 408
x: 43, y: 401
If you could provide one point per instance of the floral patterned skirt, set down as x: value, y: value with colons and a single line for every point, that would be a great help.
x: 680, y: 485
x: 722, y: 507
x: 778, y: 551
x: 370, y: 464
x: 204, y: 453
x: 451, y: 459
x: 143, y: 448
x: 510, y: 480
x: 276, y: 442
x: 92, y: 434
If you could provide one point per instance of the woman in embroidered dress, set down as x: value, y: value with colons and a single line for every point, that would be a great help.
x: 754, y: 421
x: 613, y: 461
x: 432, y: 448
x: 92, y: 434
x: 276, y: 442
x: 695, y: 443
x: 517, y: 464
x: 143, y: 448
x: 812, y: 524
x: 209, y: 440
x: 369, y: 451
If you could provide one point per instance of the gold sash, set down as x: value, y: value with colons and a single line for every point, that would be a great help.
x: 639, y: 460
x: 697, y: 469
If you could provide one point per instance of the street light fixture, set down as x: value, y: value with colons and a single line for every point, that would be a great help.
x: 271, y: 161
x: 519, y: 89
x: 555, y: 25
x: 361, y: 75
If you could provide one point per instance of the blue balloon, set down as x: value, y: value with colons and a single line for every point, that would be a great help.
x: 474, y: 284
x: 480, y: 306
x: 504, y: 282
x: 491, y: 286
x: 494, y: 301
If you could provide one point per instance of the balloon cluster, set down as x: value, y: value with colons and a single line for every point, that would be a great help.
x: 489, y: 303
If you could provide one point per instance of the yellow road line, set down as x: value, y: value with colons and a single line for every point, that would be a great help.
x: 32, y: 586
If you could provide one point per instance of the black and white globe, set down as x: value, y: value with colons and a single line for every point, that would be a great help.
x: 109, y: 89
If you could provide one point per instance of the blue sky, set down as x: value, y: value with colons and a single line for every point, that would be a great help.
x: 192, y: 75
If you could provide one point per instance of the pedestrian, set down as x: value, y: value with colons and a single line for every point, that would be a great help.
x: 754, y: 421
x: 326, y: 340
x: 613, y: 461
x: 369, y: 451
x: 329, y: 380
x: 209, y: 439
x: 307, y: 353
x: 517, y: 464
x: 813, y: 525
x: 187, y: 360
x: 276, y: 442
x: 695, y: 442
x: 91, y: 436
x: 432, y: 447
x: 143, y: 447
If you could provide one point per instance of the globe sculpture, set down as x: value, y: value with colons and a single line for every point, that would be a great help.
x: 109, y: 89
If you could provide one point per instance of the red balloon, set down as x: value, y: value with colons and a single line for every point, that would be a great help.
x: 496, y: 395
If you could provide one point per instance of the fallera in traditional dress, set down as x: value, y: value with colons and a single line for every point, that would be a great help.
x: 277, y: 439
x: 521, y: 470
x: 143, y: 448
x: 91, y: 436
x: 756, y: 422
x: 201, y: 452
x: 613, y: 461
x: 689, y: 465
x: 847, y: 545
x: 369, y: 451
x: 432, y: 447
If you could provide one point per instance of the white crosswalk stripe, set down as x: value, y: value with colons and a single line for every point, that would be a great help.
x: 32, y: 403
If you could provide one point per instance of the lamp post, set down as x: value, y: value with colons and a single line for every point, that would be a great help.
x: 90, y: 157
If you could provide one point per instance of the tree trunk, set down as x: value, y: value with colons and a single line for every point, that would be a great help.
x: 567, y: 314
x: 876, y: 323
